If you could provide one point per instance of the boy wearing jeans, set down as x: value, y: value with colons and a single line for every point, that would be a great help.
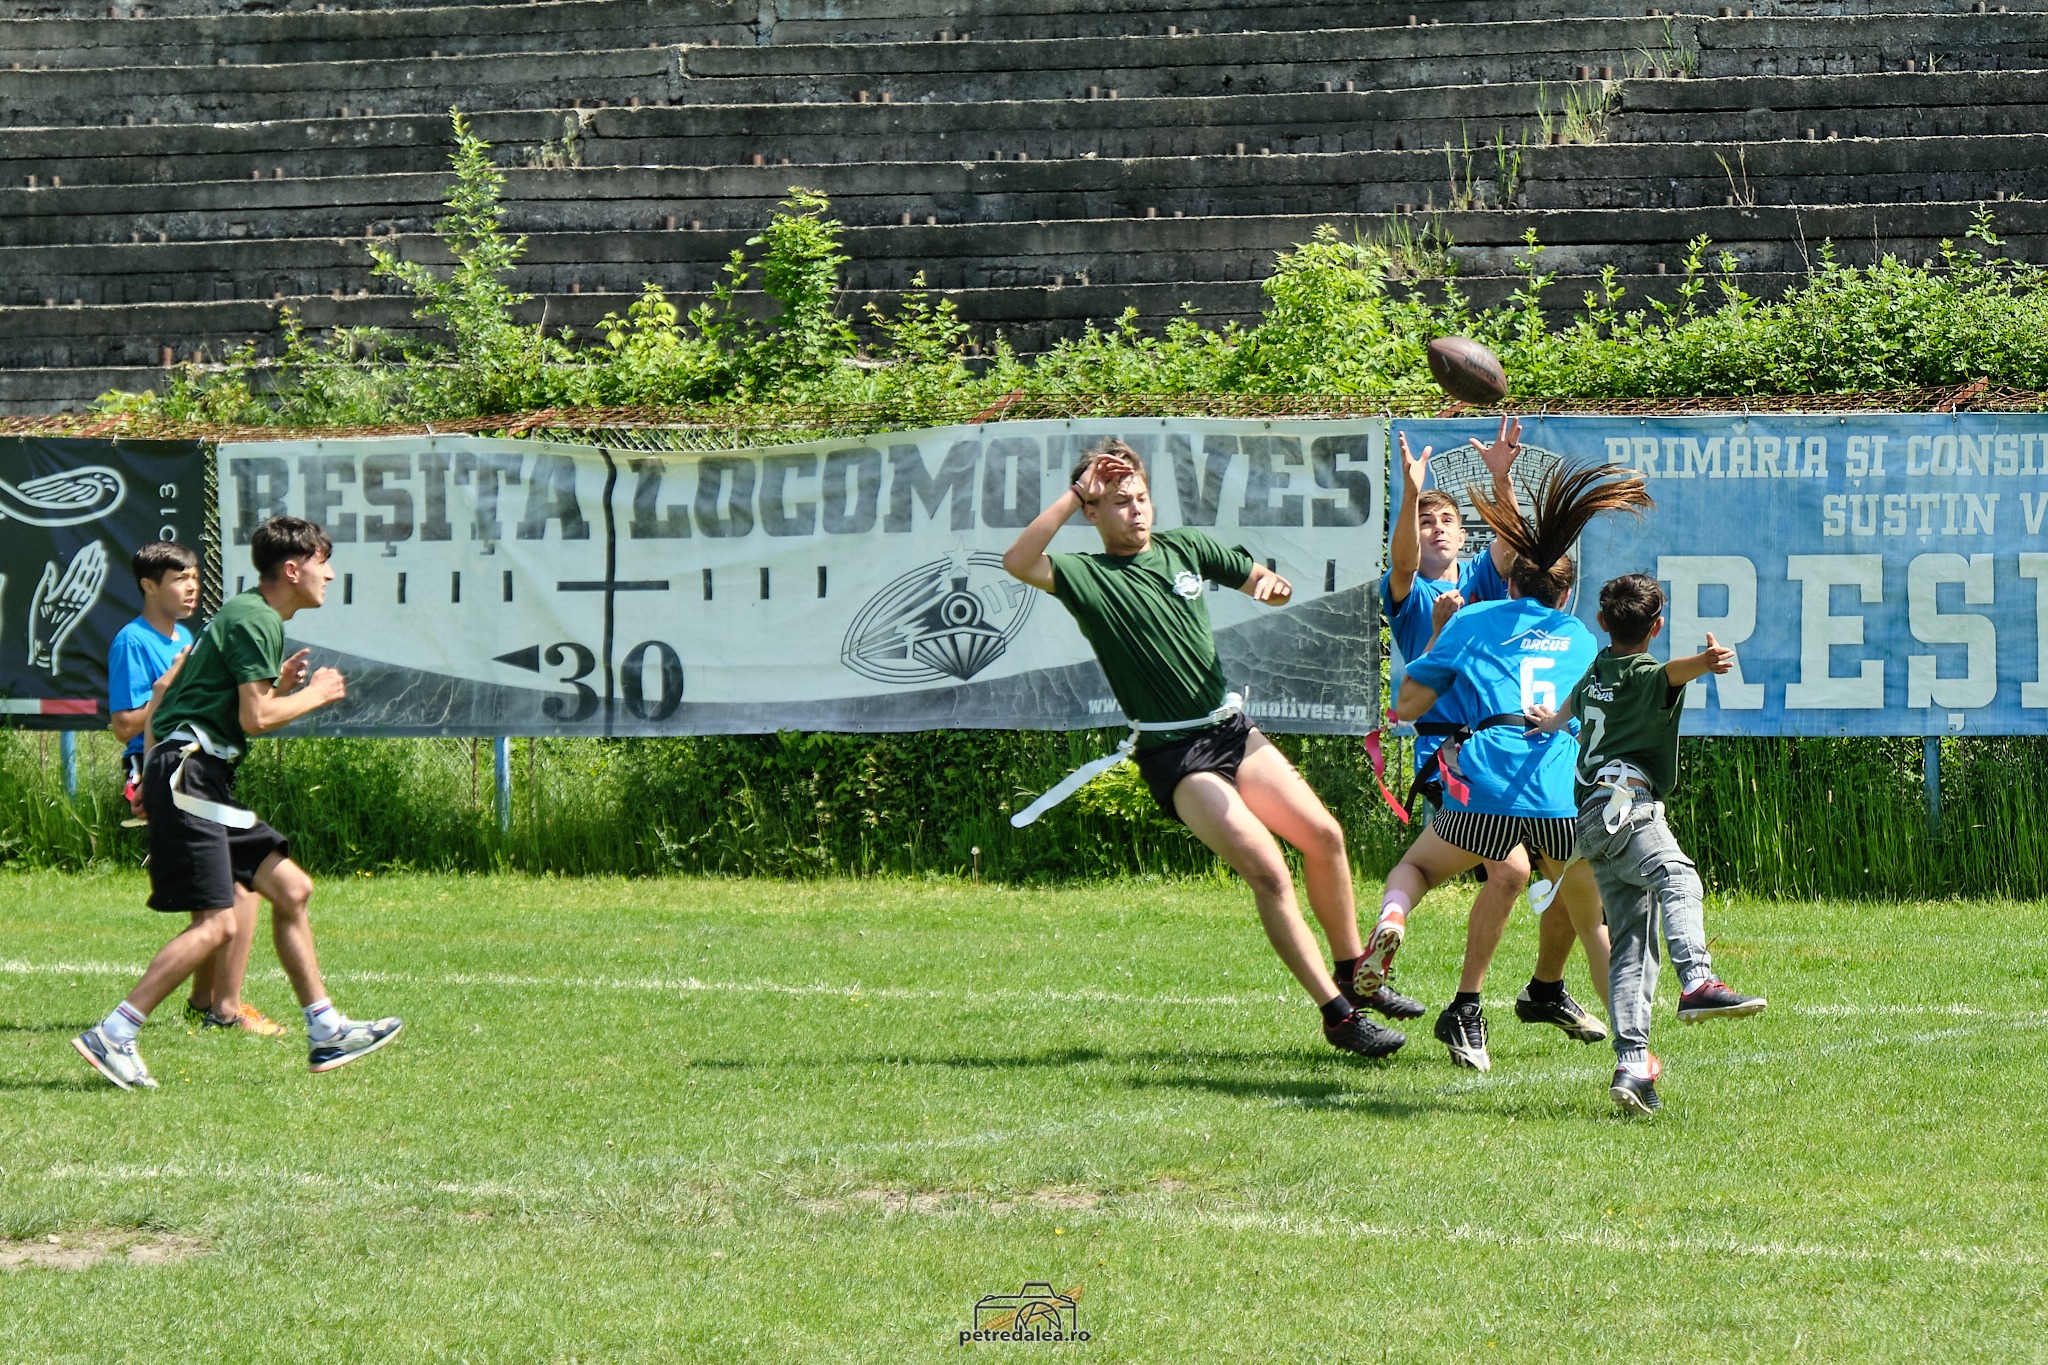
x: 1628, y: 707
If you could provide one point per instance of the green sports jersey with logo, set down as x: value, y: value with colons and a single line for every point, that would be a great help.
x: 244, y: 642
x: 1145, y: 616
x: 1628, y: 710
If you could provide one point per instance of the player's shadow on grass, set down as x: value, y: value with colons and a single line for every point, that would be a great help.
x: 1296, y: 1093
x: 1066, y: 1056
x: 52, y: 1083
x: 68, y: 1030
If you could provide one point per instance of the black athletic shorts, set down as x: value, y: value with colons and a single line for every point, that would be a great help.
x: 1494, y: 837
x: 196, y: 864
x: 1218, y: 749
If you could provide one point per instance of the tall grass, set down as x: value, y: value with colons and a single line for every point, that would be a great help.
x: 1788, y: 818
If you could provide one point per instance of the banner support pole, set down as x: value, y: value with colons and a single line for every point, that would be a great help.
x: 1930, y: 779
x: 501, y: 769
x: 67, y: 749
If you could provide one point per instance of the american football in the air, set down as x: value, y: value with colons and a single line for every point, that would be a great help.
x: 1467, y: 371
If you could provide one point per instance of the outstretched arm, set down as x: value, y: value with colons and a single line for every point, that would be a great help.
x: 1025, y: 560
x: 1500, y: 459
x: 1715, y: 658
x: 1404, y: 553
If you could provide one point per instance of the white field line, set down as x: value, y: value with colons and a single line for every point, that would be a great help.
x: 1597, y: 1238
x: 1150, y: 1209
x: 688, y: 985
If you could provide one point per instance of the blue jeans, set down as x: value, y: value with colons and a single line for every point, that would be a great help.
x: 1644, y: 876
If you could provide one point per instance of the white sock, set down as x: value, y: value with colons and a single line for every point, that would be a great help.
x: 123, y: 1024
x: 323, y: 1021
x: 1395, y: 902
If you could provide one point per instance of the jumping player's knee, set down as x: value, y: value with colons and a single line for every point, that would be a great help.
x: 1325, y: 839
x: 1269, y: 880
x: 215, y: 929
x: 290, y: 890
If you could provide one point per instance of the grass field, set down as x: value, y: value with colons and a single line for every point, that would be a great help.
x: 741, y: 1121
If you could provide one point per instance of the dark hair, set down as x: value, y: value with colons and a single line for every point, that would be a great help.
x: 160, y: 557
x: 1112, y: 447
x: 1631, y: 604
x: 1436, y: 499
x: 283, y: 538
x: 1566, y: 502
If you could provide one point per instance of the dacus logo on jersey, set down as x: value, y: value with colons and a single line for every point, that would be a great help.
x: 1540, y: 641
x: 1187, y: 584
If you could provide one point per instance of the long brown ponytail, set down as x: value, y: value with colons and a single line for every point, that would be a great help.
x: 1569, y: 499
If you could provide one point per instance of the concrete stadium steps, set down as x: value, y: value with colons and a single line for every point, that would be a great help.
x: 1736, y: 109
x: 205, y: 94
x: 1101, y: 253
x: 1608, y: 176
x: 335, y: 36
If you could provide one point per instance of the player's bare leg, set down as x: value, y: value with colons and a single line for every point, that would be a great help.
x: 1430, y: 861
x: 1574, y: 917
x: 1216, y: 813
x: 333, y: 1038
x: 216, y: 1001
x: 1491, y: 910
x: 1285, y: 804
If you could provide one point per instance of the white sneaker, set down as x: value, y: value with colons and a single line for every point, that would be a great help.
x: 356, y: 1039
x: 118, y: 1062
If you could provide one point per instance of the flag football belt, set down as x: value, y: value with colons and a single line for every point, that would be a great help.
x: 1451, y: 732
x: 1621, y: 780
x: 1088, y: 772
x: 196, y: 740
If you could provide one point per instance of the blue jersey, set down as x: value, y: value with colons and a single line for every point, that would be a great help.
x: 1410, y: 622
x: 137, y: 658
x: 1501, y: 658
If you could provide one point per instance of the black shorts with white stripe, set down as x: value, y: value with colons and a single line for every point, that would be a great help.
x: 1493, y: 837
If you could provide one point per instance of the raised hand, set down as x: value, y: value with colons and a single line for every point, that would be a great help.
x: 1500, y: 456
x: 60, y: 603
x: 1103, y: 473
x: 294, y: 671
x: 1720, y: 658
x: 1414, y: 468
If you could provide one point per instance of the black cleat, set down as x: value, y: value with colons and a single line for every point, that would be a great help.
x: 1462, y: 1029
x: 1364, y: 1036
x: 1636, y: 1095
x: 1386, y: 1000
x: 1564, y: 1013
x: 1715, y: 1001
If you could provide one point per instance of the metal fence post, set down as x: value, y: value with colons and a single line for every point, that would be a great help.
x: 67, y: 749
x: 501, y: 768
x: 1930, y: 778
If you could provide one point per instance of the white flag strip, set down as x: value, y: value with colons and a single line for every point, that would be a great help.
x: 494, y: 586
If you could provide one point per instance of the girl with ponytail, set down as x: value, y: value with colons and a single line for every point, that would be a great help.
x: 1504, y: 785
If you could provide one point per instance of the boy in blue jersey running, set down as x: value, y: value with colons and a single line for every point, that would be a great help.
x: 1491, y: 664
x: 141, y: 664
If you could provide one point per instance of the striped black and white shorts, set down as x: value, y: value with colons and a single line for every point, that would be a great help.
x: 1493, y: 837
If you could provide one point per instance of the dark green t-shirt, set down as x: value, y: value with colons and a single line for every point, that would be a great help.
x: 244, y: 642
x: 1145, y: 616
x: 1628, y: 710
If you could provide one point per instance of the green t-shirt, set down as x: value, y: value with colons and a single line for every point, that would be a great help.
x: 244, y: 642
x: 1628, y: 710
x: 1145, y: 616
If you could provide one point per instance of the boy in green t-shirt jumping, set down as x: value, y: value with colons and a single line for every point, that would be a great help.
x: 1629, y: 707
x: 235, y: 682
x: 1140, y: 604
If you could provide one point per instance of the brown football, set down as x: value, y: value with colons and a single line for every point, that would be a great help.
x: 1467, y: 371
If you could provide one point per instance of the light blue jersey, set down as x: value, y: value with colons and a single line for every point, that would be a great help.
x: 1410, y: 622
x: 1501, y: 658
x: 136, y: 659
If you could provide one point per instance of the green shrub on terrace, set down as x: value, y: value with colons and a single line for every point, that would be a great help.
x: 1336, y: 321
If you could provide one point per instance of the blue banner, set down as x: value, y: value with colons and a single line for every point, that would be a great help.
x: 1876, y: 574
